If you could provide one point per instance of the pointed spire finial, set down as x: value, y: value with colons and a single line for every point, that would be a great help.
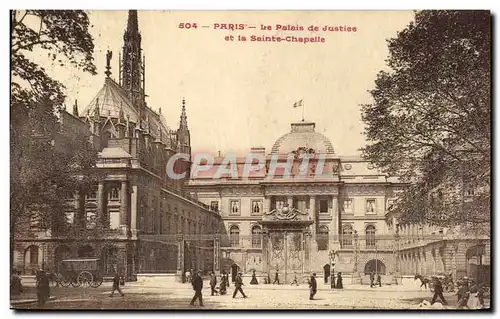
x: 109, y: 55
x: 132, y: 24
x: 183, y: 124
x: 97, y: 114
x: 121, y: 117
x: 75, y: 108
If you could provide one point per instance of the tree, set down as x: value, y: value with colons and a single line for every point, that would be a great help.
x: 45, y: 163
x: 430, y: 119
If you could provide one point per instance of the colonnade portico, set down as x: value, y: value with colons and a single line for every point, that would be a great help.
x: 292, y: 217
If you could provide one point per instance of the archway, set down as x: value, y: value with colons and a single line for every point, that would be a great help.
x: 31, y: 259
x: 234, y: 271
x: 60, y: 253
x: 86, y: 251
x: 375, y: 266
x: 475, y: 268
x: 326, y: 272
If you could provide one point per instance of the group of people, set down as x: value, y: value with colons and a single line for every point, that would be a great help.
x: 197, y: 283
x: 470, y: 295
x: 374, y: 283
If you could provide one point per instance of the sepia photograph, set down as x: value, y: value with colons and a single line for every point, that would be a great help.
x: 250, y: 160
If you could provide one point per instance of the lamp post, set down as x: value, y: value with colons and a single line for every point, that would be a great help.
x: 332, y: 255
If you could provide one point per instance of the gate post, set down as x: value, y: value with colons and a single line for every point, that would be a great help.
x: 180, y: 258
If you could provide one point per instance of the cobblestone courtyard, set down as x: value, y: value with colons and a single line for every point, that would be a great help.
x: 151, y: 295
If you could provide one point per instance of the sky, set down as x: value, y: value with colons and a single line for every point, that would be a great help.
x: 241, y: 94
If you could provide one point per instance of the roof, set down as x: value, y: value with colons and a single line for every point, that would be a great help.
x: 302, y: 135
x: 114, y: 152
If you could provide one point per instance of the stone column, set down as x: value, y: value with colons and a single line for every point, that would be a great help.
x: 180, y: 258
x: 80, y: 218
x: 334, y: 224
x: 312, y: 216
x: 267, y: 204
x: 124, y: 222
x: 217, y: 255
x: 101, y: 205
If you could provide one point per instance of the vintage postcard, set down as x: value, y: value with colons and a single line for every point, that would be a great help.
x: 250, y: 160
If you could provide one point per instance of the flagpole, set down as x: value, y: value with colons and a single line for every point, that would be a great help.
x: 302, y: 111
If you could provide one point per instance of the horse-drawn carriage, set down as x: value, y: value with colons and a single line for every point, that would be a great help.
x: 84, y: 272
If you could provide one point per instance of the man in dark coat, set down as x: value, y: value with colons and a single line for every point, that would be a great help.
x: 42, y: 288
x: 438, y: 291
x: 197, y: 287
x: 213, y: 283
x: 276, y: 278
x: 372, y: 279
x: 312, y: 286
x: 116, y: 285
x: 379, y: 280
x: 238, y: 282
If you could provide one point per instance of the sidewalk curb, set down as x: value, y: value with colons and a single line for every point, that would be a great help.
x: 27, y: 301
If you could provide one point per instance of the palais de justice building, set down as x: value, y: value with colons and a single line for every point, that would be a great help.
x: 293, y: 224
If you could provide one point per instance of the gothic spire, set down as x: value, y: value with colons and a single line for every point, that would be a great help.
x: 132, y: 24
x: 183, y: 124
x: 132, y: 67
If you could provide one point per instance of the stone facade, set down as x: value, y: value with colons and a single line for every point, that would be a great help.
x: 131, y: 219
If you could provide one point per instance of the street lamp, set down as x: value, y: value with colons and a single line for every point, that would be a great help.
x: 332, y: 255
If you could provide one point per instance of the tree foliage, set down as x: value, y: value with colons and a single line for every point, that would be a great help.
x: 46, y: 164
x: 430, y: 119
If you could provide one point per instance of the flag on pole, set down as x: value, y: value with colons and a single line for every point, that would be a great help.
x: 297, y: 104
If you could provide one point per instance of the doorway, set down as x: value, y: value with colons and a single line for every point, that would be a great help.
x: 326, y: 272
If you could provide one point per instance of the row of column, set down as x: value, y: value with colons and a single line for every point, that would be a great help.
x: 102, y: 213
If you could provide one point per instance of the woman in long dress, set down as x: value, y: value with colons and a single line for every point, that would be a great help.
x: 340, y: 285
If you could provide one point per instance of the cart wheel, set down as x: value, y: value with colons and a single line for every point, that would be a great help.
x: 96, y: 283
x: 75, y: 282
x: 58, y: 278
x: 85, y: 278
x: 64, y: 282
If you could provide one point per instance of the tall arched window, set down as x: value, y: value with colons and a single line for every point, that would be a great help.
x: 322, y: 238
x: 234, y: 236
x: 347, y: 235
x: 256, y: 237
x: 370, y: 236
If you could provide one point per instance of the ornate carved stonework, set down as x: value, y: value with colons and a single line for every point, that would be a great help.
x: 284, y: 213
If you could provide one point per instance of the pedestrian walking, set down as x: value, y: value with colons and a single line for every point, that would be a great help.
x: 237, y: 286
x: 312, y: 286
x: 213, y: 283
x: 295, y: 281
x: 197, y: 282
x: 227, y: 279
x: 276, y: 278
x: 42, y: 288
x: 379, y: 280
x: 372, y: 279
x: 116, y: 285
x: 187, y: 276
x: 332, y: 283
x: 223, y: 283
x: 340, y: 285
x: 438, y: 291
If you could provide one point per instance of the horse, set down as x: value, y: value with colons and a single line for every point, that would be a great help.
x: 423, y: 280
